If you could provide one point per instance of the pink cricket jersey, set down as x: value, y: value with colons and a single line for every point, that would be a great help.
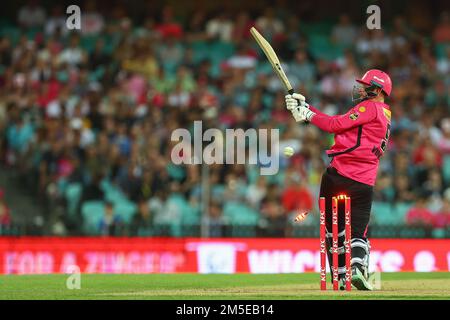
x: 361, y: 137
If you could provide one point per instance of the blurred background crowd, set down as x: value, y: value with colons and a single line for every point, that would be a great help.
x: 86, y: 116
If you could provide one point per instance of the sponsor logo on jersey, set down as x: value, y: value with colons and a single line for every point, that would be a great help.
x: 354, y: 116
x: 362, y: 109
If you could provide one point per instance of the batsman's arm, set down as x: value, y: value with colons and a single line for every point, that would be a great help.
x: 336, y: 124
x: 316, y: 111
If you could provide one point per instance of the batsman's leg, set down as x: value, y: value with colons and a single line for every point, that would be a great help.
x: 333, y: 184
x: 360, y: 263
x: 361, y: 204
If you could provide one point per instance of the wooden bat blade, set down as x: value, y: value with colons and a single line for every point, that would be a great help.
x: 272, y: 57
x: 265, y: 46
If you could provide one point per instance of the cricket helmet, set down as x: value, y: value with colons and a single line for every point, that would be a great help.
x: 371, y: 80
x: 377, y: 78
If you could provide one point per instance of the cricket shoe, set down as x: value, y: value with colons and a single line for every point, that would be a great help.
x: 360, y: 281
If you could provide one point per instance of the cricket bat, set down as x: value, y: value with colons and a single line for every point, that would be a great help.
x: 273, y: 58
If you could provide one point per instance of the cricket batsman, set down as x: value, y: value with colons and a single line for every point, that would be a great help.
x: 361, y: 136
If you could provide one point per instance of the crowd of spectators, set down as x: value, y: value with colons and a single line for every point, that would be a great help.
x: 96, y: 108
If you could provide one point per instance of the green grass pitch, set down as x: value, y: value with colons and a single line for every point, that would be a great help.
x: 219, y: 286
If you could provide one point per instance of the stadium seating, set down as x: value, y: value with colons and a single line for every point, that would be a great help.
x: 73, y: 193
x: 125, y: 210
x: 446, y: 169
x: 92, y: 213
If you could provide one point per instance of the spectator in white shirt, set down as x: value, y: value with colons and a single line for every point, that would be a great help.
x: 31, y: 15
x: 373, y: 40
x: 269, y: 25
x: 220, y: 27
x: 344, y: 33
x: 242, y: 59
x: 56, y: 24
x: 92, y: 22
x: 73, y: 55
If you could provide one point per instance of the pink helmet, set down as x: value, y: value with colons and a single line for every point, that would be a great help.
x: 379, y: 78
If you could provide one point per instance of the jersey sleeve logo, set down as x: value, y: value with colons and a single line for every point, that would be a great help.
x: 354, y: 116
x: 362, y: 109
